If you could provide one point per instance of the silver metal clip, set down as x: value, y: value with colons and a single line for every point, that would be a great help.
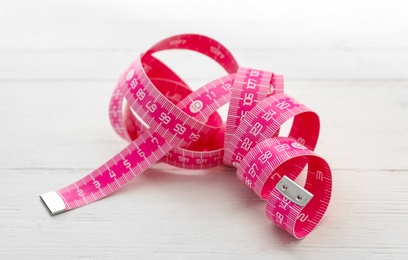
x: 293, y: 192
x: 53, y: 202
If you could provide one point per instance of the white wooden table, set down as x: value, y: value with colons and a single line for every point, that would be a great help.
x: 59, y: 61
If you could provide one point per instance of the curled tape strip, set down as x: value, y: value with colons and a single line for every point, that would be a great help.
x: 154, y: 109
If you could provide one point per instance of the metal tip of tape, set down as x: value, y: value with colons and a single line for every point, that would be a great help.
x: 53, y: 202
x: 293, y: 192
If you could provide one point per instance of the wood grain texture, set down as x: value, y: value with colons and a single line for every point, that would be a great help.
x: 59, y: 61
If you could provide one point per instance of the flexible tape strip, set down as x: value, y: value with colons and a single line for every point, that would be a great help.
x: 264, y: 121
x: 168, y: 127
x: 201, y: 44
x: 257, y: 79
x: 162, y: 116
x: 187, y: 158
x: 147, y: 149
x: 165, y: 80
x: 274, y: 155
x: 250, y: 87
x: 253, y: 128
x: 156, y: 69
x: 195, y: 159
x: 172, y: 89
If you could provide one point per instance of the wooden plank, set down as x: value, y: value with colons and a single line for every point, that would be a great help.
x: 292, y: 24
x: 168, y: 214
x: 297, y: 65
x: 363, y: 124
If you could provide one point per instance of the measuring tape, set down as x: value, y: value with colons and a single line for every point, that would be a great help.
x: 164, y: 120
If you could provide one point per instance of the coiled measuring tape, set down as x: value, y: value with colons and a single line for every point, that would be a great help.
x: 164, y: 120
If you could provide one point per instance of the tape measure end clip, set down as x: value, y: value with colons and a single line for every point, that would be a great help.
x: 53, y: 202
x: 293, y: 191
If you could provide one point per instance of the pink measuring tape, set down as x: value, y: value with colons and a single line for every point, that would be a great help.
x: 165, y: 121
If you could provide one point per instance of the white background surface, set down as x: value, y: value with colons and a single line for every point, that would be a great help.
x: 59, y: 61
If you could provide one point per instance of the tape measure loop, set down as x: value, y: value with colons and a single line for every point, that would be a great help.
x: 300, y: 220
